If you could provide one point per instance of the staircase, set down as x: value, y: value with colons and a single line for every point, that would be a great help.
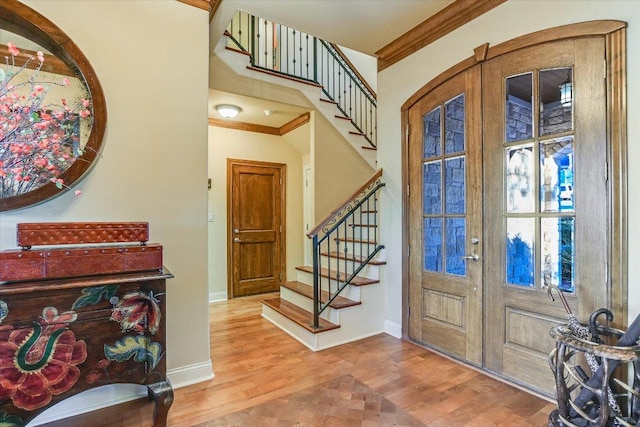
x: 264, y: 50
x: 338, y: 299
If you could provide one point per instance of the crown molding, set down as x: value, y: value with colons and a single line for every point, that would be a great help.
x: 270, y: 130
x: 450, y: 18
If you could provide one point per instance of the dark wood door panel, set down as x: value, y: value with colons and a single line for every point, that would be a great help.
x: 256, y: 223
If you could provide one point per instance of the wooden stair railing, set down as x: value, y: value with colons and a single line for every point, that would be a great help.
x: 279, y: 49
x: 351, y: 230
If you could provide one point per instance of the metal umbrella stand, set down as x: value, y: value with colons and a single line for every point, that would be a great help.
x: 588, y: 394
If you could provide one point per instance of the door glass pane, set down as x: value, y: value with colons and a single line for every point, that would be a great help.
x: 432, y: 137
x: 518, y: 108
x: 443, y: 188
x: 556, y: 101
x: 556, y: 175
x: 454, y: 125
x: 431, y: 188
x: 520, y: 251
x: 558, y: 252
x: 535, y: 238
x: 519, y: 180
x: 456, y: 240
x: 454, y: 185
x: 432, y: 244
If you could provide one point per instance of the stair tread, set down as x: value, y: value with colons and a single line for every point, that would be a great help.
x: 298, y: 315
x: 307, y: 291
x: 357, y: 281
x: 330, y: 101
x: 340, y: 255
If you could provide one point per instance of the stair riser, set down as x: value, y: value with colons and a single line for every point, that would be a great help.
x: 301, y: 301
x: 352, y: 327
x: 369, y: 271
x: 357, y: 249
x: 359, y: 224
x: 350, y: 292
x: 305, y: 337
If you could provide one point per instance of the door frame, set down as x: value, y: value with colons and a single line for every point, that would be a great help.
x: 614, y: 33
x: 281, y: 235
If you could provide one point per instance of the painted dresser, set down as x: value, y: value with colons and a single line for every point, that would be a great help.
x: 60, y: 337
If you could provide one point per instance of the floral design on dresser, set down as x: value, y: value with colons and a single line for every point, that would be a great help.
x: 39, y: 362
x: 41, y: 359
x: 137, y: 311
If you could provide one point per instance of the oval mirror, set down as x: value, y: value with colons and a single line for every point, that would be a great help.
x: 52, y: 109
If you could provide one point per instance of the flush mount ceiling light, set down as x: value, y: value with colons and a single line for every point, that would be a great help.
x: 228, y: 111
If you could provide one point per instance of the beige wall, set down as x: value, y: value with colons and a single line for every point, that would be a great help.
x: 235, y: 144
x: 509, y: 20
x: 339, y: 170
x: 151, y: 58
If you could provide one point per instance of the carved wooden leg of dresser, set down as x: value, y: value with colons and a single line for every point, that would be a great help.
x: 162, y: 394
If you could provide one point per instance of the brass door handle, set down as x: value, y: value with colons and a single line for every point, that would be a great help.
x: 237, y: 240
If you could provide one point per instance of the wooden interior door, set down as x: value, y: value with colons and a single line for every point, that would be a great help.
x: 445, y: 217
x: 546, y: 201
x: 256, y: 206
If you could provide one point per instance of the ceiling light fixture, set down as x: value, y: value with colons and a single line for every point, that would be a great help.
x: 228, y: 111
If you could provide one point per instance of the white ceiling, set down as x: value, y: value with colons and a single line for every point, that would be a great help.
x: 253, y: 109
x: 362, y: 25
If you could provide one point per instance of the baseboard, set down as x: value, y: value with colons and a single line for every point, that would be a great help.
x: 192, y: 374
x: 114, y: 394
x: 217, y: 296
x: 393, y: 329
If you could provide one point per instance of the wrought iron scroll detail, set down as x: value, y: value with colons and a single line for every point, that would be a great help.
x: 357, y: 201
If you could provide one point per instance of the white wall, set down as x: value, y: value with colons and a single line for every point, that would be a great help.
x: 339, y: 169
x: 152, y: 61
x: 236, y: 144
x: 366, y: 65
x: 509, y: 20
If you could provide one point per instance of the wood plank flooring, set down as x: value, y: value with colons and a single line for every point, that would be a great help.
x: 255, y: 362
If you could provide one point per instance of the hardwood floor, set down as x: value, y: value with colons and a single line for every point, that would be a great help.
x: 255, y: 362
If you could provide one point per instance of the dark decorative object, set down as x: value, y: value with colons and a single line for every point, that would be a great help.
x: 597, y: 372
x: 59, y: 56
x: 91, y: 326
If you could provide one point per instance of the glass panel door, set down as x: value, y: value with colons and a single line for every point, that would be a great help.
x: 446, y: 265
x: 543, y: 187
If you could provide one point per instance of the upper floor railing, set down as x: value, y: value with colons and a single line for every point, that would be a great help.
x: 287, y: 51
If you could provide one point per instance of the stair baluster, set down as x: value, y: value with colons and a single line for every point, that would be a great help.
x: 336, y: 228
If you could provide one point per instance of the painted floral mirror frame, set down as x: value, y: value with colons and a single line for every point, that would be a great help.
x: 73, y: 155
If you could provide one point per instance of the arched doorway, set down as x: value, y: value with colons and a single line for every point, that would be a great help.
x: 511, y: 185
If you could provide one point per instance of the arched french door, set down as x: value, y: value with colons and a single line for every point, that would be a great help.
x: 509, y: 162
